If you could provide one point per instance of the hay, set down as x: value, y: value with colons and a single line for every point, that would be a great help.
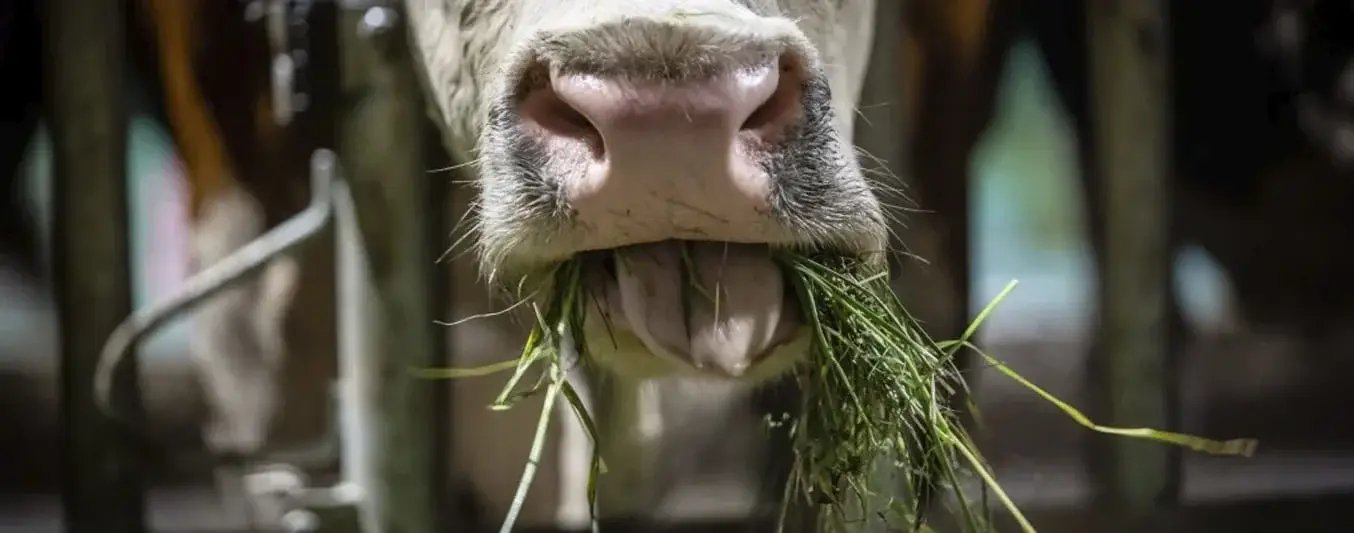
x: 876, y: 389
x: 875, y: 394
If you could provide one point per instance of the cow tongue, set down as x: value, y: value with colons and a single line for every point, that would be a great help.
x: 737, y: 314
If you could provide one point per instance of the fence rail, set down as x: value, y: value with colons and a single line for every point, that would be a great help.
x: 392, y: 427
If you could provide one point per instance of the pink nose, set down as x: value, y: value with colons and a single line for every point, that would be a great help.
x: 655, y: 160
x: 725, y: 104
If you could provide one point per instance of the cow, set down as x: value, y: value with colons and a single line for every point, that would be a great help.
x: 721, y: 125
x: 630, y: 127
x: 640, y: 134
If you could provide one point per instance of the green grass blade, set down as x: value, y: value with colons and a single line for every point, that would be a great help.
x: 991, y: 482
x: 1242, y: 447
x: 982, y: 315
x: 533, y: 459
x: 472, y: 372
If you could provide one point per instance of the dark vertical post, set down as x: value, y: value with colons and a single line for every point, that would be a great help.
x: 388, y: 268
x: 1128, y: 45
x: 103, y: 492
x: 440, y: 196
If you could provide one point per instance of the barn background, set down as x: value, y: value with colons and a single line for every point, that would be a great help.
x: 1238, y: 383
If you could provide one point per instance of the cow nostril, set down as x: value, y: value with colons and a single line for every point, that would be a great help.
x: 779, y: 110
x: 543, y: 109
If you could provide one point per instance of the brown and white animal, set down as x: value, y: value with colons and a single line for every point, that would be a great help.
x: 610, y: 125
x: 633, y: 126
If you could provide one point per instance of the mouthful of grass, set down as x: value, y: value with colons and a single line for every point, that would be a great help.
x: 875, y: 395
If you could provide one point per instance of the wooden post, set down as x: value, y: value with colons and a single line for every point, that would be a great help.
x: 386, y: 279
x: 1128, y: 42
x: 102, y: 489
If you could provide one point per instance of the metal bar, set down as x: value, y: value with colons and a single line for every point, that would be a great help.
x: 386, y: 268
x: 102, y: 489
x: 235, y: 268
x: 1128, y: 44
x: 358, y: 392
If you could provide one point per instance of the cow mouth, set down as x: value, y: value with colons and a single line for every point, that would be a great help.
x: 720, y: 308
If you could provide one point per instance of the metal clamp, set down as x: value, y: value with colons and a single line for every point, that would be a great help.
x: 278, y: 484
x: 226, y: 273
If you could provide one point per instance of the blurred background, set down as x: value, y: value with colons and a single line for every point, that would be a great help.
x: 1238, y: 377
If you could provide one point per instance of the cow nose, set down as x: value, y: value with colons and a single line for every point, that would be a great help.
x: 645, y: 159
x: 754, y: 100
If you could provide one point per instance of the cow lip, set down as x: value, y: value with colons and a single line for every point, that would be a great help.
x: 602, y: 259
x: 602, y: 279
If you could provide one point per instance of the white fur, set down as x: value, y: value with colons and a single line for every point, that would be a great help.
x: 463, y: 64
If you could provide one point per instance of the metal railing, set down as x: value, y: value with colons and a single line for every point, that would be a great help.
x: 391, y: 425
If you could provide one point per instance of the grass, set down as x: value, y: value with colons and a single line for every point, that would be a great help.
x: 875, y: 399
x: 875, y: 390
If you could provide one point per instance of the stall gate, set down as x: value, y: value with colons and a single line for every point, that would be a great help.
x: 391, y: 431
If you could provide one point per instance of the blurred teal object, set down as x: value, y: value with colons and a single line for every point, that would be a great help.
x: 148, y: 158
x: 1028, y: 216
x: 151, y: 178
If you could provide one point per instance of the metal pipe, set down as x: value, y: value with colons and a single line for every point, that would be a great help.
x: 102, y: 489
x: 357, y: 408
x: 234, y: 269
x: 386, y: 270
